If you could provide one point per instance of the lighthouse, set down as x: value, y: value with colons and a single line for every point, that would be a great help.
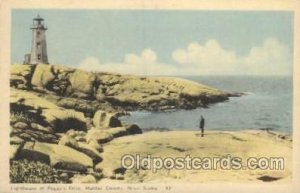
x: 39, y: 45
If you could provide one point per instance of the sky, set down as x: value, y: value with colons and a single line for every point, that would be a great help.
x: 162, y: 42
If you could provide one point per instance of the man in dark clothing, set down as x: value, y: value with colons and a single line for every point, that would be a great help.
x: 202, y: 122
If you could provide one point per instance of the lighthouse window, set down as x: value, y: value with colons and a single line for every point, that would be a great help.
x: 38, y: 43
x: 39, y: 56
x: 38, y: 33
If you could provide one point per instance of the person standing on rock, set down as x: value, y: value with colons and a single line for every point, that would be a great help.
x: 202, y: 123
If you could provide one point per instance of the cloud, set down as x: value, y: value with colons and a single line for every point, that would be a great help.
x: 270, y: 58
x: 143, y: 64
x: 147, y: 56
x: 207, y: 54
x: 90, y: 64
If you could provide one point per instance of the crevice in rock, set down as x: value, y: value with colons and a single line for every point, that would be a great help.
x: 63, y: 125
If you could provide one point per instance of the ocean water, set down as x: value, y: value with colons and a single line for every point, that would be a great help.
x: 268, y: 104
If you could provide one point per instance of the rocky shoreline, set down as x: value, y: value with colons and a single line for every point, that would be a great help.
x: 61, y: 118
x: 86, y: 91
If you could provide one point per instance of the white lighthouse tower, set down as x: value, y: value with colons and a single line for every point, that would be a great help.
x: 39, y: 46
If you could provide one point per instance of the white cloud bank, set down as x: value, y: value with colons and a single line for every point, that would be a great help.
x: 269, y: 58
x: 143, y: 64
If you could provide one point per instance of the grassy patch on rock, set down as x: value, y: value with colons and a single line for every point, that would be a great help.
x: 24, y: 171
x: 20, y: 117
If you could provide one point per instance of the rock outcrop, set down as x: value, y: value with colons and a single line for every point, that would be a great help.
x: 21, y: 75
x: 58, y: 156
x: 64, y: 117
x: 103, y: 119
x: 65, y: 139
x: 125, y: 92
x: 16, y: 144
